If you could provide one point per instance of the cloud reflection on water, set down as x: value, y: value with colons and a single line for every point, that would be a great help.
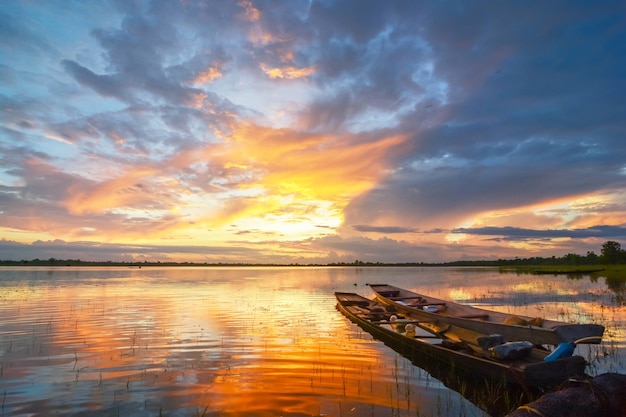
x: 245, y: 341
x: 182, y: 341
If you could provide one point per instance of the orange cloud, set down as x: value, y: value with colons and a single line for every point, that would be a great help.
x: 196, y: 100
x: 207, y: 76
x: 320, y: 167
x: 258, y: 178
x: 250, y: 13
x: 116, y: 193
x: 287, y: 72
x: 268, y: 178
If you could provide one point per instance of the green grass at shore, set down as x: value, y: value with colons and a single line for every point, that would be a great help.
x: 613, y: 272
x: 568, y: 268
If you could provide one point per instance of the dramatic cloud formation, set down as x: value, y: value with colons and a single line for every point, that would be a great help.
x: 311, y: 131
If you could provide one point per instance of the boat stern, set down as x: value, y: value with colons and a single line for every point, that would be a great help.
x: 580, y: 333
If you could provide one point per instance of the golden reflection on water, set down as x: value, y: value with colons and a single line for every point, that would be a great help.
x: 249, y: 342
x: 139, y: 344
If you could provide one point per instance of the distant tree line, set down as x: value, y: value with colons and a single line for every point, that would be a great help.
x: 611, y: 253
x: 130, y: 264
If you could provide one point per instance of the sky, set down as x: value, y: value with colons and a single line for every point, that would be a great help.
x: 308, y: 131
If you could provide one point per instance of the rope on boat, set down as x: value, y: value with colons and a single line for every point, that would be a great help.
x: 586, y: 339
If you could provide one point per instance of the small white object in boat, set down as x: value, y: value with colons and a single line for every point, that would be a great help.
x: 410, y: 330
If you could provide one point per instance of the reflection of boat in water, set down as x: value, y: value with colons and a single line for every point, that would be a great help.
x: 536, y: 330
x: 450, y: 359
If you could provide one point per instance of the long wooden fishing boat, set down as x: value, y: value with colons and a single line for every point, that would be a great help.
x: 438, y: 350
x: 536, y: 330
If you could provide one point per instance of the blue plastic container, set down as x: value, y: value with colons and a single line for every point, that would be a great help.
x: 563, y: 350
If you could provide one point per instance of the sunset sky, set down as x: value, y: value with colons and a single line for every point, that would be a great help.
x: 311, y: 131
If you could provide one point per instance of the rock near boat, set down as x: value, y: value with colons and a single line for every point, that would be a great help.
x: 601, y: 396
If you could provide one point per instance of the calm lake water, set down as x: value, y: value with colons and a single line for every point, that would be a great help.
x: 249, y: 341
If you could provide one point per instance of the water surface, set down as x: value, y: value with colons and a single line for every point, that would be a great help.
x: 248, y: 341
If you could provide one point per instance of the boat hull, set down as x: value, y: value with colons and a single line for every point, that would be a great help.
x: 529, y: 372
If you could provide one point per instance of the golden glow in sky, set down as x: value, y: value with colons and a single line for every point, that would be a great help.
x: 308, y: 131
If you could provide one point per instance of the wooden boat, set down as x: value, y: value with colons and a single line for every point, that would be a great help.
x: 536, y: 330
x: 447, y: 353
